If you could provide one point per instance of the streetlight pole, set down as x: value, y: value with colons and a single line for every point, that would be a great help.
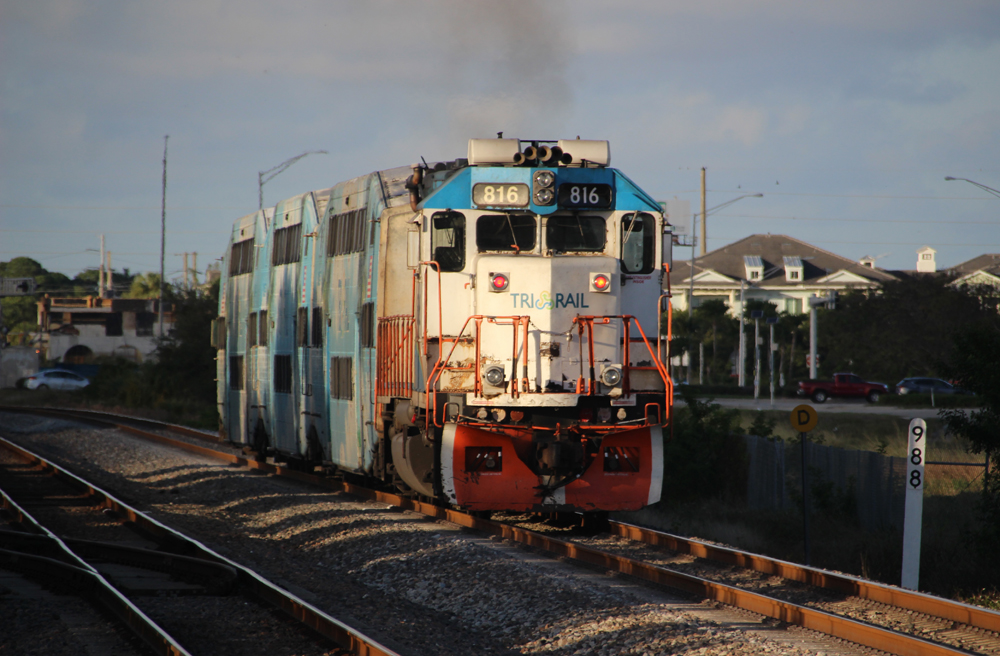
x: 163, y: 230
x: 705, y: 213
x: 973, y: 182
x: 270, y: 174
x: 770, y: 364
x: 756, y: 316
x: 704, y: 240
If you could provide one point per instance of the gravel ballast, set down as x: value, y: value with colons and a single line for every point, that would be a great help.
x: 418, y: 586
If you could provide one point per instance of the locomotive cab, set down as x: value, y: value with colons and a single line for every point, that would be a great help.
x: 536, y: 304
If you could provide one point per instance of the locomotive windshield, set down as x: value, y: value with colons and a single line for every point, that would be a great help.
x: 505, y: 232
x: 575, y: 233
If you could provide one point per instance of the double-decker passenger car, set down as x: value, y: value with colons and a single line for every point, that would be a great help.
x: 484, y: 332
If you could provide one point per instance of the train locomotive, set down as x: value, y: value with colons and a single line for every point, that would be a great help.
x: 484, y: 332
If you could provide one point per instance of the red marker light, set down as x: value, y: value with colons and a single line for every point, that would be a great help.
x: 499, y: 281
x: 601, y: 282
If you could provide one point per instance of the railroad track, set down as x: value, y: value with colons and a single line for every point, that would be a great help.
x: 142, y: 571
x: 873, y: 615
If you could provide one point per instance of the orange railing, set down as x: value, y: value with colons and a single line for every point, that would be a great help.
x: 586, y: 324
x: 518, y: 386
x: 396, y: 354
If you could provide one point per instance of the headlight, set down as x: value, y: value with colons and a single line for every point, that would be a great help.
x: 611, y: 376
x: 494, y: 376
x: 541, y: 187
x: 544, y: 178
x: 544, y: 197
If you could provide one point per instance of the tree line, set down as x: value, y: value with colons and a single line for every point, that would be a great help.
x: 906, y: 328
x: 20, y: 313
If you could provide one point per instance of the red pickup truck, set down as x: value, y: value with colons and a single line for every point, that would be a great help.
x: 842, y: 385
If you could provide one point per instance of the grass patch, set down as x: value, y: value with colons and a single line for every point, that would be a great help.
x: 885, y: 434
x: 950, y: 566
x: 194, y: 415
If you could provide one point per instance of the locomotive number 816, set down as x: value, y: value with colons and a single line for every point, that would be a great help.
x: 483, y: 332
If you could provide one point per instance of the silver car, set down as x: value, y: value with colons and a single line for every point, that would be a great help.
x: 57, y: 379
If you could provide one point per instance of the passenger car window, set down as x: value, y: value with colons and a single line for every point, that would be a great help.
x: 448, y: 240
x: 505, y: 232
x: 575, y: 233
x: 638, y: 243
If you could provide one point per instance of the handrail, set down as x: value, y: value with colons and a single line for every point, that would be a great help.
x: 588, y: 321
x: 442, y: 363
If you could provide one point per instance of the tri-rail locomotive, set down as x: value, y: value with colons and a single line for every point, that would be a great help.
x: 484, y: 332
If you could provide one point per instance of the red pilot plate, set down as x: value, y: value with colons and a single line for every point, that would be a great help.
x: 627, y: 475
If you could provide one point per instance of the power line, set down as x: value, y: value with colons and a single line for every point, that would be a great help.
x: 879, y: 197
x: 127, y: 207
x: 119, y: 232
x: 808, y: 218
x: 867, y: 242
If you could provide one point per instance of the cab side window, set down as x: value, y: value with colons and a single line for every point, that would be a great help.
x: 448, y: 240
x: 638, y: 243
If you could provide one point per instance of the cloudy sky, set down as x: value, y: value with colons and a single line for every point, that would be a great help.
x: 847, y: 116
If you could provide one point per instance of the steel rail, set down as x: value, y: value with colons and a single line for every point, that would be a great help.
x: 955, y: 611
x: 340, y: 633
x: 92, y: 582
x: 828, y: 623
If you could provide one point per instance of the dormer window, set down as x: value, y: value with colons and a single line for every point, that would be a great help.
x: 754, y: 267
x: 793, y: 268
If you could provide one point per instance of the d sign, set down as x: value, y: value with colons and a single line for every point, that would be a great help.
x: 804, y: 418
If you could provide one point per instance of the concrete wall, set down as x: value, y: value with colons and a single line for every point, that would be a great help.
x: 17, y: 362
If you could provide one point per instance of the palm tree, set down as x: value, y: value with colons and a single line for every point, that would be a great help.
x: 145, y: 285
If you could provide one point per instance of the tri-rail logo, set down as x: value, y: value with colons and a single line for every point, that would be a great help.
x: 546, y: 301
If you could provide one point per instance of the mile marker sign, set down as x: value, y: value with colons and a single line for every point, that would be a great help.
x: 804, y: 418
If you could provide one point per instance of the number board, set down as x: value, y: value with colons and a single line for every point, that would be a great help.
x: 916, y: 453
x: 500, y: 195
x: 586, y: 195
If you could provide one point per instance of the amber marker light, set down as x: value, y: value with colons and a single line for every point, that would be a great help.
x: 601, y: 282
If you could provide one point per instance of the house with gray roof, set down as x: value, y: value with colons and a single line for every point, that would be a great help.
x: 982, y: 270
x: 776, y: 268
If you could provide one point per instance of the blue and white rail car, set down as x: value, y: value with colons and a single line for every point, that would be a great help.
x: 236, y: 370
x: 482, y: 331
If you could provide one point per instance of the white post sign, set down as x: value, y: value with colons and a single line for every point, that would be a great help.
x: 916, y: 455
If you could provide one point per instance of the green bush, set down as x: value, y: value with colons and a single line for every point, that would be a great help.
x: 705, y: 456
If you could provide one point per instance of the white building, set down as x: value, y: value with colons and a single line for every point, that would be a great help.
x: 926, y: 262
x: 79, y: 329
x: 775, y: 268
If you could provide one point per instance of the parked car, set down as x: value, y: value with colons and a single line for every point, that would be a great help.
x: 57, y: 379
x: 928, y: 386
x: 842, y: 385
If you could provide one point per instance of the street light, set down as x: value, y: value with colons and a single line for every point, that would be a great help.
x: 270, y: 174
x: 991, y: 190
x: 704, y: 215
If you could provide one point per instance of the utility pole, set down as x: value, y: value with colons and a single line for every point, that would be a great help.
x: 163, y: 229
x: 704, y: 215
x: 194, y: 268
x: 186, y: 271
x: 109, y: 287
x: 100, y: 272
x: 771, y: 348
x: 742, y: 340
x: 691, y: 307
